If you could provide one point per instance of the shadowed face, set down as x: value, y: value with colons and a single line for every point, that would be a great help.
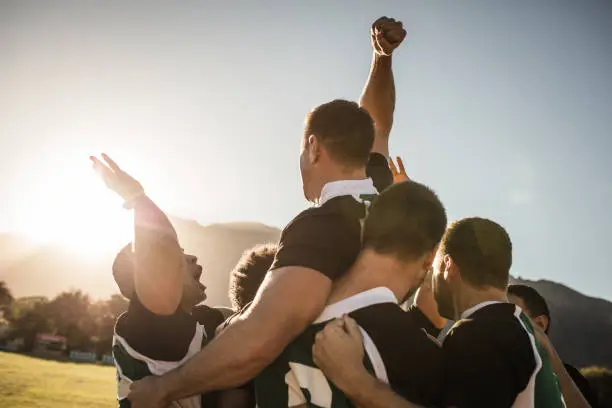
x: 441, y: 289
x: 194, y: 291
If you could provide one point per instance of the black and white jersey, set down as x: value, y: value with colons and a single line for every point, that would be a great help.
x: 397, y: 351
x: 145, y: 343
x: 492, y: 359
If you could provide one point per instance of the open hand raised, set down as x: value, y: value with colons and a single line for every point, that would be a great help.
x: 399, y: 173
x: 126, y: 186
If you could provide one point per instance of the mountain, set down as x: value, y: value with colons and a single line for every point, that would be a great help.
x: 46, y: 270
x: 581, y: 326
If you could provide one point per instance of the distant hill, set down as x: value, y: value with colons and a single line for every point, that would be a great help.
x: 31, y: 270
x: 581, y: 325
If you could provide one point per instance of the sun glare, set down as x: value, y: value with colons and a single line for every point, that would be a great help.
x: 66, y: 204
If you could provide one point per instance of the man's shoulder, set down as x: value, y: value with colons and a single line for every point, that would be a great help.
x: 388, y: 322
x: 339, y: 207
x: 494, y: 329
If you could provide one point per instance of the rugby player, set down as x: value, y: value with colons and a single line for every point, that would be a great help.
x: 491, y: 357
x: 316, y: 247
x: 163, y: 325
x: 534, y: 305
x: 400, y: 235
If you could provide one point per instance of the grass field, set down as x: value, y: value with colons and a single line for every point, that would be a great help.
x: 27, y: 382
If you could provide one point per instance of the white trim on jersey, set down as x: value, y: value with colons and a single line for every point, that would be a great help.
x: 526, y: 398
x: 340, y: 188
x: 158, y: 367
x: 359, y: 301
x: 467, y: 313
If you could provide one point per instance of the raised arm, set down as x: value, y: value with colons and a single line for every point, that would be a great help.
x: 159, y: 258
x: 378, y: 96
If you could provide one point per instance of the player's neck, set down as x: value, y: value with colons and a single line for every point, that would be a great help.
x: 371, y: 271
x: 471, y: 297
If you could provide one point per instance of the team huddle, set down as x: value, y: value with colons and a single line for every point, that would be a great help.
x: 317, y: 320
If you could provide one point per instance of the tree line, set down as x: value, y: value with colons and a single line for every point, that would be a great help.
x: 86, y: 324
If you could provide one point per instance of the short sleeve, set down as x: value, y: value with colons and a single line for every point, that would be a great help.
x: 482, y: 372
x: 327, y: 242
x: 158, y: 337
x: 378, y: 170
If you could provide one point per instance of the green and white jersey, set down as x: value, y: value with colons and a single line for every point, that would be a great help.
x: 147, y: 344
x: 492, y: 359
x: 397, y: 352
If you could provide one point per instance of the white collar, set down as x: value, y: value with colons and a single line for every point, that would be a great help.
x: 359, y: 301
x: 467, y: 313
x: 353, y: 188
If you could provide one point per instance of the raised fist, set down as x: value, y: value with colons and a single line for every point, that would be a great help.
x: 387, y: 34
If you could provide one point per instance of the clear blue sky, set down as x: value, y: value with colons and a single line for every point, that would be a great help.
x: 504, y: 107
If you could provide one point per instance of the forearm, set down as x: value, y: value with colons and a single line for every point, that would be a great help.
x: 158, y: 268
x: 571, y: 393
x: 425, y: 301
x: 228, y: 361
x: 378, y: 98
x: 366, y: 391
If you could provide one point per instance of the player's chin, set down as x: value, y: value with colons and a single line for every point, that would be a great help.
x: 201, y: 293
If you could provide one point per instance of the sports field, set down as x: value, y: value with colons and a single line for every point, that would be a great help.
x: 27, y: 382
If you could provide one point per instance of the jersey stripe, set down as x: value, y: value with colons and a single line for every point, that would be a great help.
x: 526, y: 399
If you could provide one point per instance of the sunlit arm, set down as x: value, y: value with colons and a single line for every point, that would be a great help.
x: 378, y: 98
x: 159, y: 259
x: 289, y: 299
x: 425, y: 301
x: 571, y: 393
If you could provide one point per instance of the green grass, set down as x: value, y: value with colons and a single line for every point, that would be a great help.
x: 30, y: 382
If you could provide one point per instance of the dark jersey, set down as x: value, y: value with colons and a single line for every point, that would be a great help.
x: 327, y: 237
x: 148, y: 344
x: 492, y: 359
x: 397, y: 352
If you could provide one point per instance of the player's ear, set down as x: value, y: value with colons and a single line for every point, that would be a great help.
x: 314, y: 149
x: 541, y: 321
x: 451, y: 271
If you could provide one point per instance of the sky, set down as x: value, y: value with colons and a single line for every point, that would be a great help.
x: 503, y: 107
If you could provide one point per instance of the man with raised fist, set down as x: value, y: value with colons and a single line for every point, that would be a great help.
x: 343, y: 164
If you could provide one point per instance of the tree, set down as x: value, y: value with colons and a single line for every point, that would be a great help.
x: 6, y: 297
x: 29, y: 322
x: 105, y: 314
x: 69, y: 316
x: 600, y: 379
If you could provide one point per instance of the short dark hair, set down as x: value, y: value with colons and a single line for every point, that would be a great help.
x: 407, y: 220
x: 481, y: 249
x: 535, y: 303
x: 345, y: 129
x: 249, y: 272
